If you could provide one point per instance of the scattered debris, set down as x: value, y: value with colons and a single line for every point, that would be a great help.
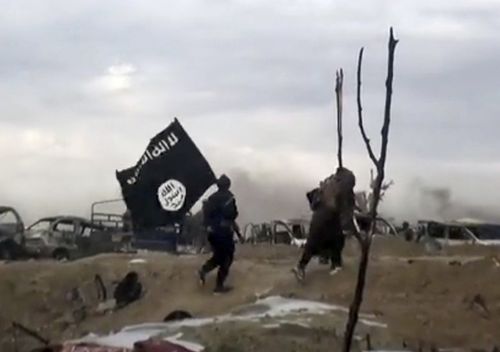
x: 448, y: 259
x: 106, y: 306
x: 75, y: 295
x: 89, y: 348
x: 78, y: 304
x: 128, y: 290
x: 79, y: 314
x: 264, y: 293
x: 102, y: 293
x: 138, y: 261
x: 478, y: 304
x: 177, y: 315
x: 272, y: 312
x: 128, y: 338
x: 156, y: 345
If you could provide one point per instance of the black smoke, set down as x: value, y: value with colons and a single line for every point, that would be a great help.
x: 439, y: 203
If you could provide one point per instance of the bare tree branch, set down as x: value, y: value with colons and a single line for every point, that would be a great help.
x: 385, y: 128
x: 377, y: 189
x: 356, y: 231
x: 387, y: 185
x: 339, y: 82
x: 388, y: 100
x: 360, y: 110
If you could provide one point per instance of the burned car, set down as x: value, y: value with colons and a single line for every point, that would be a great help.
x: 295, y: 231
x: 70, y: 237
x: 383, y: 227
x: 11, y: 233
x: 460, y: 233
x: 292, y: 232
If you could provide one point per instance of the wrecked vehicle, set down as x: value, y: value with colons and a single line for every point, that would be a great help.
x: 257, y: 233
x: 292, y: 232
x: 383, y: 227
x: 295, y: 231
x: 11, y: 233
x: 163, y: 238
x: 71, y: 237
x: 460, y: 233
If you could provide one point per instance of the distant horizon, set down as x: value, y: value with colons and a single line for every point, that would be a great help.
x: 118, y: 207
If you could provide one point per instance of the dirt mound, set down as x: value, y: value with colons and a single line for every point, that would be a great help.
x: 422, y: 298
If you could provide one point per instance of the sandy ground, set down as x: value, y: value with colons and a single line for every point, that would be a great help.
x: 425, y: 299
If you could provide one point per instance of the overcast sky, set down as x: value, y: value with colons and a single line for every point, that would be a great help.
x: 85, y: 84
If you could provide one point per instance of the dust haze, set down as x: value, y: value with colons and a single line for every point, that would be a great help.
x: 267, y: 197
x: 264, y: 198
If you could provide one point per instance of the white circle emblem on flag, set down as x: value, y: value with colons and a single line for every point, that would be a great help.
x: 172, y: 195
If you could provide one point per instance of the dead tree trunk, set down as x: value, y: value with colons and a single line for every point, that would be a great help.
x: 339, y: 82
x: 365, y: 241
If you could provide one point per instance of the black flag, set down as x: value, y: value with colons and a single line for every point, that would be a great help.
x: 170, y: 177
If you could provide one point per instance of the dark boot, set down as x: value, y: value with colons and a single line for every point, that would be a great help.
x: 222, y: 289
x: 202, y: 276
x: 223, y: 273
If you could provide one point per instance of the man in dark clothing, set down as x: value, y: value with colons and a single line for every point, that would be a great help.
x: 325, y: 239
x: 406, y: 232
x: 332, y: 205
x: 220, y: 212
